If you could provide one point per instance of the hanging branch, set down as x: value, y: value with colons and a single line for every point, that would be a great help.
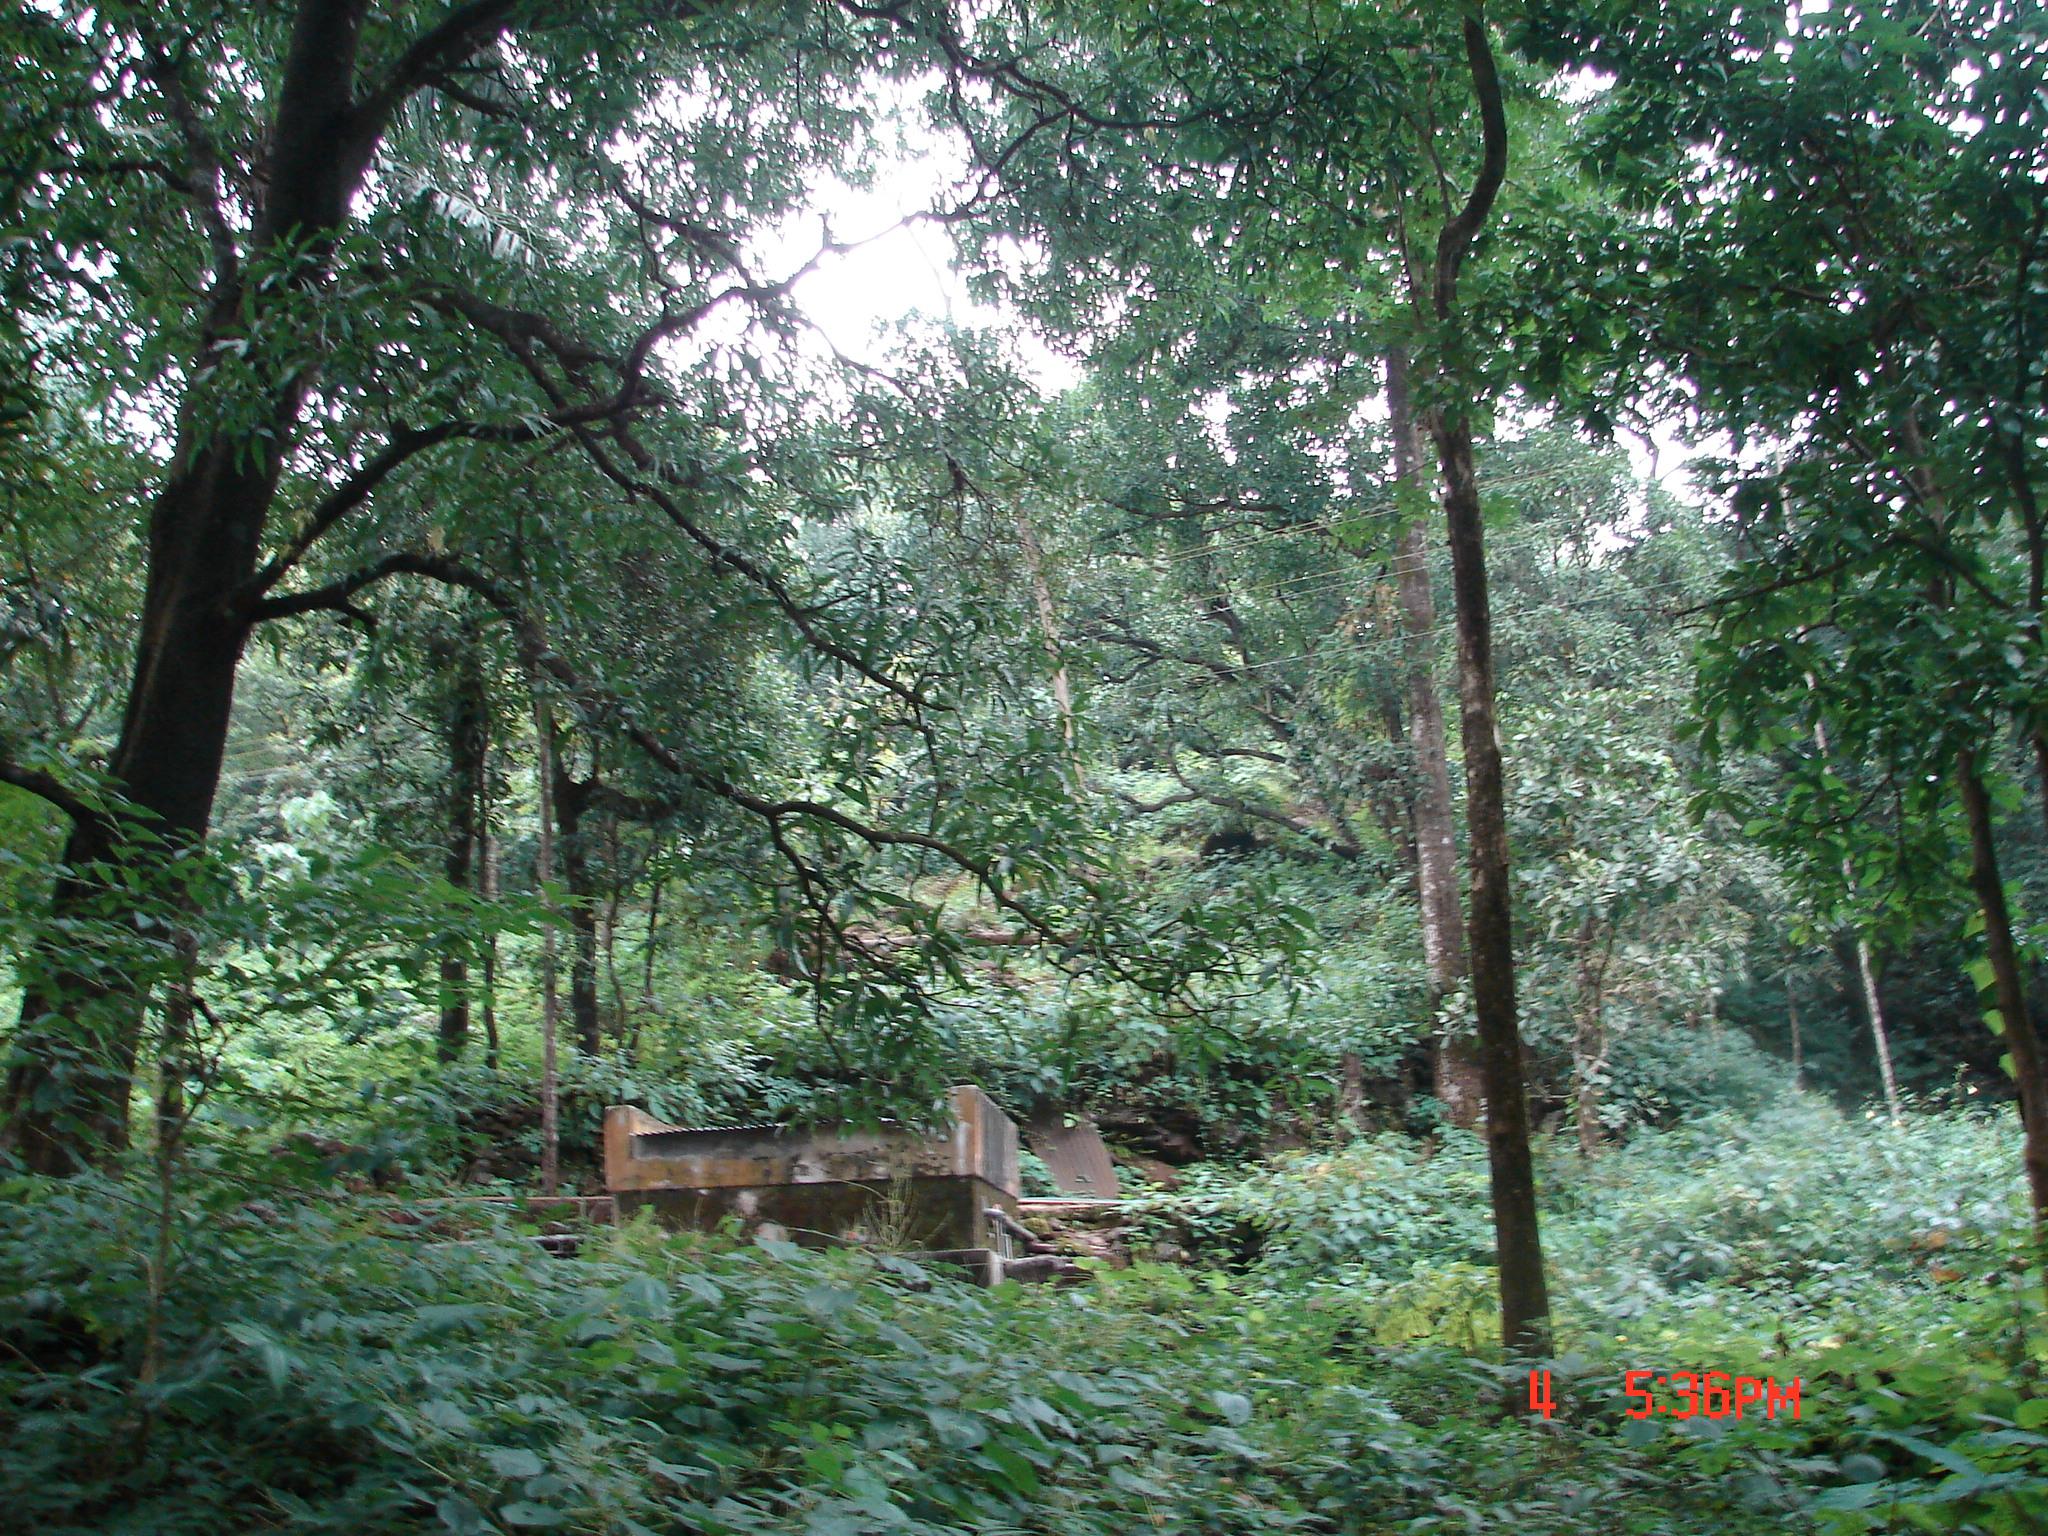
x: 778, y: 814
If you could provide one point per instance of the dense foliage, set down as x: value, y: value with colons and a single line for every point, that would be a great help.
x: 1432, y: 615
x: 337, y: 1364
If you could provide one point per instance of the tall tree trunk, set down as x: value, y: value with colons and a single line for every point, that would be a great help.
x: 646, y: 1006
x: 2040, y: 745
x: 1589, y: 1035
x: 1873, y: 1010
x: 1792, y: 1018
x: 1351, y: 1090
x: 465, y: 724
x: 1524, y: 1295
x: 74, y: 1056
x: 550, y: 995
x: 1455, y: 1060
x: 488, y: 858
x: 617, y: 879
x: 2019, y: 471
x: 572, y: 803
x: 2008, y: 987
x: 1525, y: 1299
x: 74, y: 1059
x: 176, y: 1060
x: 1866, y: 971
x: 1390, y: 790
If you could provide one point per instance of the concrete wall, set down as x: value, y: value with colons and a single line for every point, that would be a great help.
x: 890, y: 1187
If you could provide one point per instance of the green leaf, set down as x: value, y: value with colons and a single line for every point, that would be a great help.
x: 1235, y: 1407
x: 731, y: 1363
x: 1639, y: 1433
x: 1940, y: 1455
x: 528, y: 1515
x: 437, y: 1318
x: 1015, y: 1469
x: 277, y: 1365
x: 460, y: 1516
x: 443, y: 1414
x: 514, y: 1461
x: 1854, y: 1496
x: 645, y: 1294
x: 957, y: 1431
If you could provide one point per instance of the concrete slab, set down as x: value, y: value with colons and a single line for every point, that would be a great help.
x: 1073, y: 1152
x: 889, y: 1187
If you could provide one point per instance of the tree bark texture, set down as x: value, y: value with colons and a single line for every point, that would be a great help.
x: 487, y: 876
x: 65, y: 1103
x: 1524, y: 1295
x: 550, y: 993
x: 572, y: 801
x: 1525, y: 1301
x: 465, y: 727
x: 1454, y: 1058
x: 1792, y: 1020
x: 1880, y: 1037
x: 2008, y: 985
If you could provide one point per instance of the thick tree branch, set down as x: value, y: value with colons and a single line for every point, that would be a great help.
x: 1110, y: 630
x: 404, y: 445
x: 612, y: 801
x: 357, y: 489
x: 456, y: 37
x: 640, y: 473
x: 1339, y: 847
x: 334, y: 596
x: 518, y: 328
x: 534, y: 650
x: 1751, y: 594
x: 48, y: 787
x: 1456, y: 237
x: 1164, y: 802
x: 308, y: 184
x: 203, y: 184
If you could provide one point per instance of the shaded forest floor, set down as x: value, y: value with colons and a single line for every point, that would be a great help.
x: 313, y: 1366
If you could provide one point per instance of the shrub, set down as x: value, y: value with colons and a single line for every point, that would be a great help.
x: 323, y: 1369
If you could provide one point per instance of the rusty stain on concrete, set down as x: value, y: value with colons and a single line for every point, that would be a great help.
x: 1072, y: 1149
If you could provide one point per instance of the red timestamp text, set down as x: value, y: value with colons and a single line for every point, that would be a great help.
x: 1708, y: 1395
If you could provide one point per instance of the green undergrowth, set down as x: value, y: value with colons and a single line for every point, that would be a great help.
x: 321, y: 1369
x: 371, y: 1363
x: 1878, y: 1265
x: 1799, y: 1227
